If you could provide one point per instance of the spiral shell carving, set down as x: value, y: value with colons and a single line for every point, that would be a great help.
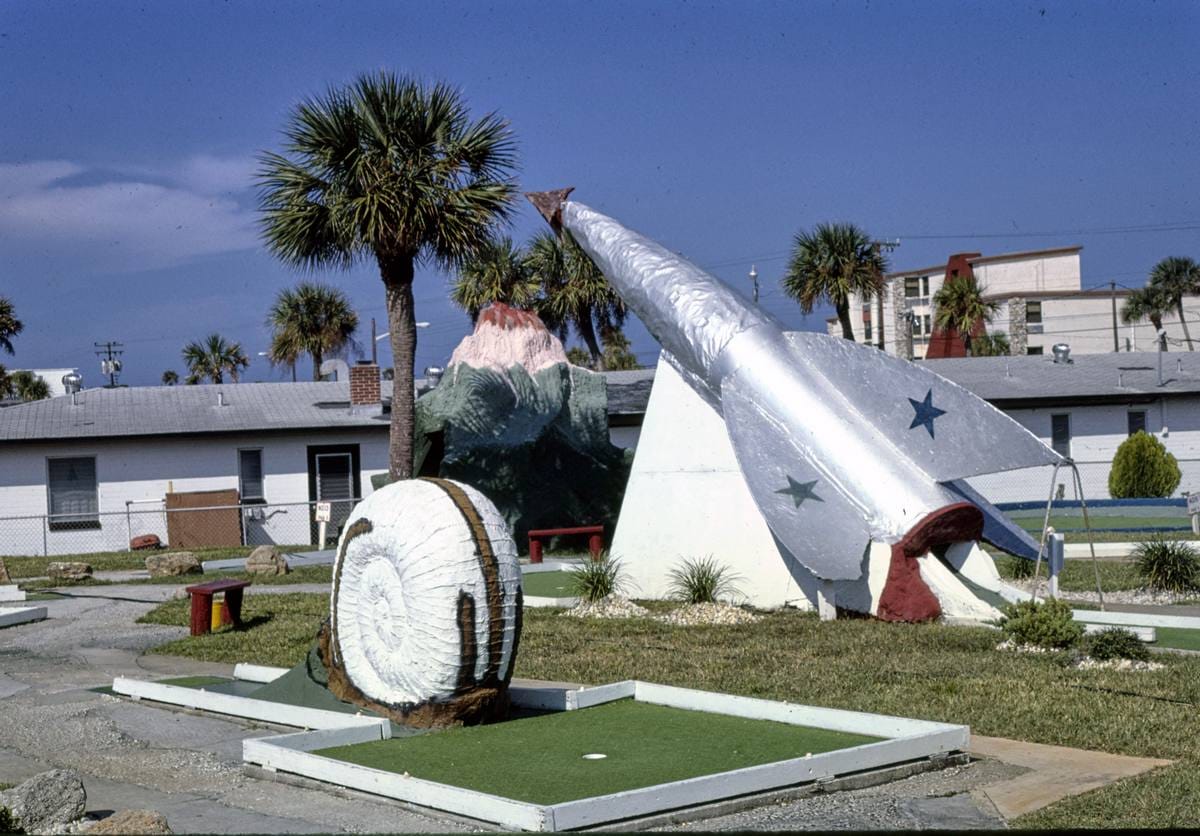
x: 425, y: 611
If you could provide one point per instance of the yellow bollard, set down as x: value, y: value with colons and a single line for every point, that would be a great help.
x: 218, y: 607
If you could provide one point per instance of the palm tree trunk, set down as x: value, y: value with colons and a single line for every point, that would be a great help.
x: 588, y: 332
x: 1159, y: 343
x: 316, y: 358
x: 843, y: 315
x: 397, y: 274
x: 1183, y: 322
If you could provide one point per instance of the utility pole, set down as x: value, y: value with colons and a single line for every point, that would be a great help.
x: 890, y: 246
x: 754, y: 280
x: 1116, y: 339
x: 374, y: 347
x: 110, y: 364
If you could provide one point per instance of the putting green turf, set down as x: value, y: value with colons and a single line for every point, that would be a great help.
x: 547, y: 584
x: 540, y: 759
x: 1179, y: 638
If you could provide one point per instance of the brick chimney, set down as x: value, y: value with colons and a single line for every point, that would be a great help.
x: 364, y: 384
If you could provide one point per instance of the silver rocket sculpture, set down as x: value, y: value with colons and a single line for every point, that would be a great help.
x: 840, y: 444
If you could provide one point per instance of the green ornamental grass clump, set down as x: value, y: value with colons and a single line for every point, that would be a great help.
x: 1168, y: 565
x: 1114, y: 643
x: 702, y: 580
x: 1045, y: 623
x: 597, y: 579
x: 1142, y: 468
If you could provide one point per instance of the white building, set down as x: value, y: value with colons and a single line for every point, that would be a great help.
x: 1041, y: 302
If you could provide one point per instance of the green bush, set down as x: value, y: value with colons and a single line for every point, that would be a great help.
x: 702, y: 581
x: 7, y: 823
x: 597, y: 579
x: 1142, y: 467
x: 1044, y: 623
x: 1114, y: 643
x: 1168, y: 565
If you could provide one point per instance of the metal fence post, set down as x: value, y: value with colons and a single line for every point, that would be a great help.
x: 128, y: 529
x: 45, y: 536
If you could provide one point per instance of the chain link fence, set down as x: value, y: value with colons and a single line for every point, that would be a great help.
x: 214, y: 526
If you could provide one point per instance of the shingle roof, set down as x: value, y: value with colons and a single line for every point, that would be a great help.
x: 248, y: 407
x: 168, y: 410
x: 1113, y: 376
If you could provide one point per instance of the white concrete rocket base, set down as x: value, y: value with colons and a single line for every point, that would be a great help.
x: 12, y: 616
x: 11, y: 592
x: 686, y: 498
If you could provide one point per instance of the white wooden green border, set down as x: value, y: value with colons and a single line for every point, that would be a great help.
x: 11, y: 592
x: 1136, y: 619
x: 909, y: 740
x: 12, y: 616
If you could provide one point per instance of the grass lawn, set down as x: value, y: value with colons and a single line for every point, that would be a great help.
x: 1099, y: 534
x: 1079, y: 575
x: 927, y: 671
x: 547, y: 584
x: 540, y: 759
x: 300, y: 574
x: 35, y: 567
x: 1033, y: 523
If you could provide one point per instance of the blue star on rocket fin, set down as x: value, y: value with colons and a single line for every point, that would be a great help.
x: 926, y: 412
x: 800, y: 491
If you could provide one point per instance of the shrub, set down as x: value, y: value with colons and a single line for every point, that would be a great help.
x: 1017, y: 568
x: 702, y: 581
x: 1167, y: 565
x: 1142, y: 467
x: 8, y: 824
x: 1042, y: 623
x: 596, y: 579
x: 1114, y: 643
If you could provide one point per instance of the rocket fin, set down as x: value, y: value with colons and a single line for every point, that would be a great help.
x: 799, y: 498
x: 946, y: 431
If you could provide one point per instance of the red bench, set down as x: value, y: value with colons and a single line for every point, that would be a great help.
x: 595, y: 539
x: 202, y: 595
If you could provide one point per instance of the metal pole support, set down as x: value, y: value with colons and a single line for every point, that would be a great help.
x: 1055, y: 560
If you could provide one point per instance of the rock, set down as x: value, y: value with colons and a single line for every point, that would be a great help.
x: 145, y: 541
x: 69, y: 571
x: 4, y: 578
x: 266, y: 560
x: 173, y: 564
x: 514, y: 419
x: 46, y: 802
x: 614, y: 606
x: 133, y: 822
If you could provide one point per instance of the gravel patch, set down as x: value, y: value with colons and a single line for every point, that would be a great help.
x: 1089, y: 664
x: 1117, y: 596
x: 691, y: 615
x: 613, y: 606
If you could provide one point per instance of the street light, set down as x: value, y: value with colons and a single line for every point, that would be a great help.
x: 374, y: 348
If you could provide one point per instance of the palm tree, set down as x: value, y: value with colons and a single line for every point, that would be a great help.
x: 831, y: 263
x: 990, y: 345
x: 10, y: 326
x: 574, y: 292
x: 170, y: 377
x: 28, y: 386
x: 313, y: 319
x: 1176, y: 277
x: 497, y: 273
x: 1149, y: 302
x: 213, y: 358
x: 618, y: 353
x: 392, y: 170
x: 959, y: 305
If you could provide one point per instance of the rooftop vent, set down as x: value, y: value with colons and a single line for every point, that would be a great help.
x: 434, y: 375
x: 72, y: 382
x: 1062, y: 353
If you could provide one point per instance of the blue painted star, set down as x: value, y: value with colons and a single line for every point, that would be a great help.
x: 925, y: 413
x: 800, y: 491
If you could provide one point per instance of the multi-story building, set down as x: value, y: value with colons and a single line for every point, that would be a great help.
x: 1041, y: 302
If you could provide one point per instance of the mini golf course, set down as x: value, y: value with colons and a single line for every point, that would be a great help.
x: 547, y: 584
x: 542, y: 759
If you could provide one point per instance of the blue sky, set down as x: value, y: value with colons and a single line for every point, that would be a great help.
x: 128, y: 133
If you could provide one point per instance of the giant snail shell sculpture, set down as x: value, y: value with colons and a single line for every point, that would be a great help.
x: 425, y: 613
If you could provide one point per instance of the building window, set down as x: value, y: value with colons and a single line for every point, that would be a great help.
x: 250, y: 476
x: 1033, y: 313
x: 1137, y: 421
x: 924, y: 285
x: 1033, y: 349
x: 867, y: 330
x: 1060, y: 434
x: 927, y: 330
x: 71, y: 484
x: 912, y: 287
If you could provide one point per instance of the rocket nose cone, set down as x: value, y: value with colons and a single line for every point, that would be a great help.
x: 549, y: 204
